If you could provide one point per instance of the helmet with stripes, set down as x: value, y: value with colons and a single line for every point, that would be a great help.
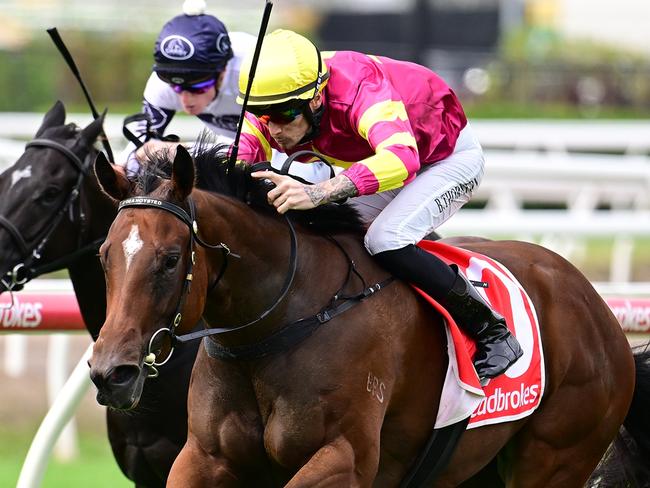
x: 290, y: 71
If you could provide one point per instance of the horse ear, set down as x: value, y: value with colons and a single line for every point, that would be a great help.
x: 90, y: 133
x: 182, y: 173
x: 53, y: 118
x: 114, y: 183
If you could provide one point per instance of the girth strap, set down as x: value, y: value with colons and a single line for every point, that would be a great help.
x: 436, y: 455
x: 291, y: 334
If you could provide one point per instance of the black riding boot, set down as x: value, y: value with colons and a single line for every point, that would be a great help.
x: 497, y: 348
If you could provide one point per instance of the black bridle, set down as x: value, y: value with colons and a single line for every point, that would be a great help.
x: 24, y: 271
x: 285, y: 337
x: 189, y: 220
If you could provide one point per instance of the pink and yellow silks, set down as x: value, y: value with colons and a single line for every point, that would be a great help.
x: 383, y: 119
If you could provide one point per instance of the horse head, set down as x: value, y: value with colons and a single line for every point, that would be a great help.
x: 41, y: 212
x: 145, y: 241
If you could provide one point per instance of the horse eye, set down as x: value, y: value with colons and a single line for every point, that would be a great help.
x: 50, y: 195
x: 171, y: 262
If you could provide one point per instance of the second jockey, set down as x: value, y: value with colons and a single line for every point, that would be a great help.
x: 196, y: 70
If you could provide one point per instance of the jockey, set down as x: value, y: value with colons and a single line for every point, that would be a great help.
x: 196, y: 70
x: 410, y: 161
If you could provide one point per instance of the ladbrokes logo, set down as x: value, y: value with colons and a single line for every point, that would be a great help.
x: 25, y: 315
x: 511, y: 400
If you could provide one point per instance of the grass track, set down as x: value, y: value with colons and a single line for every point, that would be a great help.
x: 95, y: 466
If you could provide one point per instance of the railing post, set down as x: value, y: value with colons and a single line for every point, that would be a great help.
x: 66, y: 448
x: 64, y: 407
x: 15, y: 353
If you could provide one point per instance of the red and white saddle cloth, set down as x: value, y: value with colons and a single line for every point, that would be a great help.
x: 512, y: 395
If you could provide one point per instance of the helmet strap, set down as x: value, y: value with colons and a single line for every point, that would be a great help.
x: 314, y: 119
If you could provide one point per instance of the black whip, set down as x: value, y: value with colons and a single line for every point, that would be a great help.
x: 251, y: 75
x: 58, y: 42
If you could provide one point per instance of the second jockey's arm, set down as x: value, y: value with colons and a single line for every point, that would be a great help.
x: 290, y: 194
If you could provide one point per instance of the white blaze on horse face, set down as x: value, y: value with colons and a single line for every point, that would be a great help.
x: 19, y: 174
x: 132, y: 245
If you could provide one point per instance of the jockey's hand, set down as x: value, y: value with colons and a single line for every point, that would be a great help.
x: 288, y: 194
x: 153, y: 146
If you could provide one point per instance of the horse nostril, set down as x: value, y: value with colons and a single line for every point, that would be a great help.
x: 96, y: 378
x: 122, y: 375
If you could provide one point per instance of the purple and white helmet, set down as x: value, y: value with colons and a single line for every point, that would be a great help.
x: 191, y: 47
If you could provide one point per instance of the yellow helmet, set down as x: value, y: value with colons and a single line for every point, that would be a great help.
x: 290, y: 67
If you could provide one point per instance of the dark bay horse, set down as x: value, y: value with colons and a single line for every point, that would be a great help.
x: 37, y: 211
x: 268, y: 407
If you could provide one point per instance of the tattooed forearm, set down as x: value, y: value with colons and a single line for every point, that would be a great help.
x: 337, y: 188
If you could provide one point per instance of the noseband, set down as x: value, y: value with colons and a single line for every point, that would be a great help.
x: 23, y: 272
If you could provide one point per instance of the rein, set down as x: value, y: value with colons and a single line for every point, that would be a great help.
x: 295, y: 332
x: 25, y: 271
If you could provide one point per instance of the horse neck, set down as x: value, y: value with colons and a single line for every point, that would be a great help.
x: 87, y: 279
x: 100, y: 210
x: 96, y: 213
x: 253, y: 283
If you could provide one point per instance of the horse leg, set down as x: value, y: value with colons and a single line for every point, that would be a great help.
x: 336, y: 464
x: 565, y: 439
x: 223, y: 426
x: 194, y: 467
x: 560, y: 450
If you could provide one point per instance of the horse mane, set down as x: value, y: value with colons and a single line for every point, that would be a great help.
x: 211, y: 165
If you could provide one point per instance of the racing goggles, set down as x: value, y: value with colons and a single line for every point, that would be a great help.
x: 194, y: 88
x: 270, y: 113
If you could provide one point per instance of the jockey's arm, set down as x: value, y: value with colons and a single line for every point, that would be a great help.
x: 385, y: 125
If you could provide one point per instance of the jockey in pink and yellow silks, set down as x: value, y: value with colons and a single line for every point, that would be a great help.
x: 383, y: 120
x: 407, y: 153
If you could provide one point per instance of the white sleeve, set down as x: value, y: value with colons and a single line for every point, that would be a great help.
x: 160, y: 94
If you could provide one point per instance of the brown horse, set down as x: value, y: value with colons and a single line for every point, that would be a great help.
x: 279, y: 401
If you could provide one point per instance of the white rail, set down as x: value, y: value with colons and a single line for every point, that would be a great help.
x: 540, y: 222
x: 629, y: 136
x: 579, y: 181
x: 57, y: 418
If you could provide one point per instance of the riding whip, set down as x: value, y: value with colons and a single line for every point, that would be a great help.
x: 251, y: 75
x: 58, y: 42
